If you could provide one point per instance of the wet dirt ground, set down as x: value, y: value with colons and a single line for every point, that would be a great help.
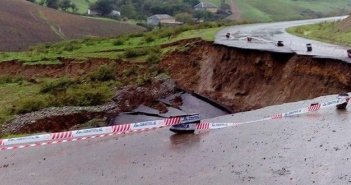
x: 308, y: 149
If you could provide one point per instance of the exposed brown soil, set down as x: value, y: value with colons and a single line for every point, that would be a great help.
x: 24, y: 24
x: 248, y: 79
x: 240, y: 79
x: 345, y: 25
x: 235, y: 11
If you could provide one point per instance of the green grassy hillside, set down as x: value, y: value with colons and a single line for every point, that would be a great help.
x: 326, y: 32
x: 83, y: 5
x: 273, y: 10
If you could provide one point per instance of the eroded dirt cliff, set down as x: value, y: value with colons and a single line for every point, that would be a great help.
x: 248, y: 79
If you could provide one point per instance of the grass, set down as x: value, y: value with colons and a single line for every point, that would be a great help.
x: 10, y: 93
x: 326, y: 32
x: 82, y: 5
x: 218, y: 2
x: 19, y: 96
x: 103, y: 48
x: 258, y: 10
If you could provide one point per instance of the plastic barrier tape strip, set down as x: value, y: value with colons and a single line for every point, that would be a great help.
x: 311, y: 108
x: 78, y: 135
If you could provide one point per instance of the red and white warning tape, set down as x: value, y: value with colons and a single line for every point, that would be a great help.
x: 312, y: 108
x: 78, y: 135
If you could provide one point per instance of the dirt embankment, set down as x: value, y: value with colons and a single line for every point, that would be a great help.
x: 240, y: 79
x: 248, y: 79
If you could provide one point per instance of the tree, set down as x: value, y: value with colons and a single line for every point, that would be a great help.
x: 65, y: 4
x: 128, y: 10
x: 74, y: 8
x: 205, y: 15
x: 103, y: 7
x: 52, y: 4
x: 192, y: 2
x: 184, y: 17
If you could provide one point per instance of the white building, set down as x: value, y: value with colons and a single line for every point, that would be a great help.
x: 162, y: 19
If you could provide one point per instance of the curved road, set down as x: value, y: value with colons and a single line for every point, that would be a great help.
x: 308, y: 149
x: 266, y: 35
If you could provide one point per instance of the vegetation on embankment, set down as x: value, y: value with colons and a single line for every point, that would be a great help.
x: 111, y: 48
x: 20, y: 95
x: 88, y: 71
x: 326, y: 32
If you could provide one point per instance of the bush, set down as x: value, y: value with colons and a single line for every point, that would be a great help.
x: 153, y: 58
x: 104, y: 73
x: 10, y: 79
x: 30, y: 104
x: 84, y: 95
x: 56, y: 85
x: 118, y: 42
x: 71, y: 46
x: 129, y: 71
x: 132, y: 53
x: 149, y: 38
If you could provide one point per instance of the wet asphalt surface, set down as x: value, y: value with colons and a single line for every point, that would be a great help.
x: 308, y: 149
x: 266, y: 35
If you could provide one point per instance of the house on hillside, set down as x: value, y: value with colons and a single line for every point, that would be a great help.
x: 162, y: 19
x: 206, y: 6
x: 92, y: 12
x: 115, y: 13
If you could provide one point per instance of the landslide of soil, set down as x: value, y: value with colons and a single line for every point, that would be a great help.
x: 345, y: 25
x: 24, y: 24
x: 240, y: 79
x: 249, y: 79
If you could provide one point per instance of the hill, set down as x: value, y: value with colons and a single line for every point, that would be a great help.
x: 274, y: 10
x: 251, y: 10
x: 338, y: 32
x: 24, y: 24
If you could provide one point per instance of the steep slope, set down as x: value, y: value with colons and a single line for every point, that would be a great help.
x: 345, y: 25
x: 248, y: 79
x: 24, y: 24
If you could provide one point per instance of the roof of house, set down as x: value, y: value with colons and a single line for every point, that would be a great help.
x: 205, y: 5
x: 162, y: 16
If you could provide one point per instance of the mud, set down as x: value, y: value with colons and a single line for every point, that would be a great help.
x: 248, y: 79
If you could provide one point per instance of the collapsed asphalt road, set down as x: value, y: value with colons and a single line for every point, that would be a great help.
x: 309, y: 149
x: 266, y: 35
